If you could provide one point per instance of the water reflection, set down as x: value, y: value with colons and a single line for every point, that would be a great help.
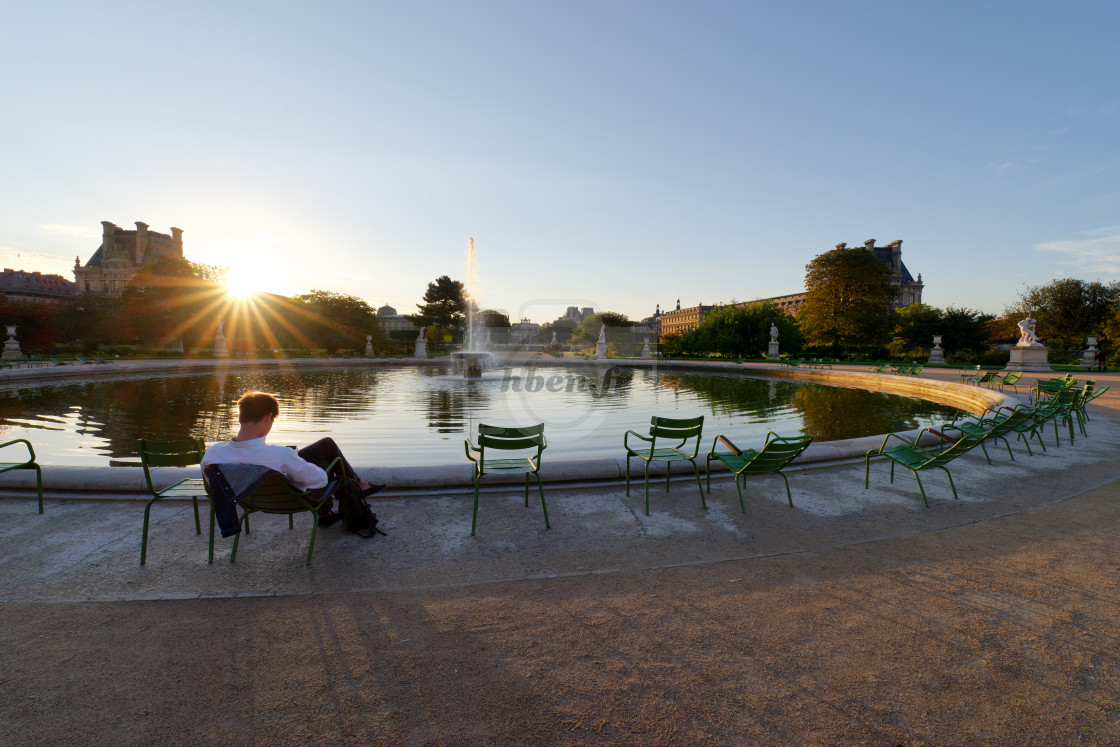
x: 411, y: 415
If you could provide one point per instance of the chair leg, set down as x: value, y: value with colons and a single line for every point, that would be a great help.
x: 951, y: 485
x: 696, y: 471
x: 474, y: 516
x: 197, y: 523
x: 789, y: 497
x: 920, y: 488
x: 742, y: 504
x: 39, y: 486
x: 544, y: 506
x: 292, y: 523
x: 867, y: 472
x: 144, y: 536
x: 627, y: 474
x: 985, y: 450
x: 646, y: 473
x: 237, y: 538
x: 314, y: 531
x: 210, y: 556
x: 527, y: 489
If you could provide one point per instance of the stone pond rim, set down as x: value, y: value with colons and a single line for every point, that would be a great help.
x: 118, y: 482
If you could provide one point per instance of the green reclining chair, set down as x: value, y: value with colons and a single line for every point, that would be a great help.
x: 776, y: 453
x: 678, y: 430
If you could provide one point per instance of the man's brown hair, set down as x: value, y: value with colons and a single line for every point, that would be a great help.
x: 253, y: 406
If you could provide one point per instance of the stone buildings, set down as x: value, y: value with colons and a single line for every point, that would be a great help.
x: 909, y: 291
x: 121, y: 256
x: 35, y: 287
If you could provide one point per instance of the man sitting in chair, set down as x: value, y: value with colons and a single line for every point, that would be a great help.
x: 305, y: 469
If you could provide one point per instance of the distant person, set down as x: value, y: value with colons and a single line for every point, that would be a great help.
x: 306, y: 468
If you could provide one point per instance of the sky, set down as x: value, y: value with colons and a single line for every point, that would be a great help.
x: 601, y: 153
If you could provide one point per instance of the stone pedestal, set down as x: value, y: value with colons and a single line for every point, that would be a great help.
x: 1089, y: 356
x: 645, y: 349
x: 369, y: 344
x: 1028, y: 358
x: 601, y: 351
x: 11, y: 345
x: 772, y: 350
x: 220, y: 349
x: 421, y: 349
x: 937, y: 355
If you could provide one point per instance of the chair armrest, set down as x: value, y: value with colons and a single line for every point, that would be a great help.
x: 467, y: 447
x: 544, y: 443
x: 25, y: 442
x: 626, y: 438
x: 888, y: 437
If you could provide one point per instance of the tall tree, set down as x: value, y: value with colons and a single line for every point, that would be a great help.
x: 341, y: 320
x: 445, y: 302
x: 588, y: 329
x: 741, y: 331
x: 1068, y: 310
x: 848, y: 299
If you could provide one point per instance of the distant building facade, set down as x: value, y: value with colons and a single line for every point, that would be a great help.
x: 650, y: 324
x: 908, y: 290
x: 35, y: 287
x: 678, y: 321
x: 524, y: 332
x: 122, y: 255
x: 390, y: 320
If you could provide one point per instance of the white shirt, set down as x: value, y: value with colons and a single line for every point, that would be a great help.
x: 300, y: 472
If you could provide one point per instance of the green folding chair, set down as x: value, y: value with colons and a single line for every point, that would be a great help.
x: 916, y: 459
x: 679, y: 430
x: 28, y: 463
x: 182, y: 453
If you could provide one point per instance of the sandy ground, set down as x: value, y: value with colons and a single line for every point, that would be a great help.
x: 971, y: 622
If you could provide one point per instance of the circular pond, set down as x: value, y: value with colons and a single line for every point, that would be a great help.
x: 419, y: 415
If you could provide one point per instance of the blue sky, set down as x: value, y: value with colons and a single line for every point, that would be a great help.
x: 611, y: 154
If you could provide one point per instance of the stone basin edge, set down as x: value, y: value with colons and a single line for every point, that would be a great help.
x: 126, y: 482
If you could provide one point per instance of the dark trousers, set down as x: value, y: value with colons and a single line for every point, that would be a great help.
x: 321, y: 454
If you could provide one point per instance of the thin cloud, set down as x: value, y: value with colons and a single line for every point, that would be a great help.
x: 21, y: 259
x: 60, y: 230
x: 1098, y: 252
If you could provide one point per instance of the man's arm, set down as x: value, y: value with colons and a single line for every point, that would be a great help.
x: 302, y: 473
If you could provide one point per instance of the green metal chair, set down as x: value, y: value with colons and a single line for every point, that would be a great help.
x: 776, y: 453
x: 969, y: 373
x: 1047, y: 388
x: 29, y: 463
x: 503, y: 440
x: 1011, y: 423
x: 1011, y: 379
x: 915, y: 458
x: 1090, y: 395
x: 182, y: 453
x: 278, y: 496
x: 679, y: 430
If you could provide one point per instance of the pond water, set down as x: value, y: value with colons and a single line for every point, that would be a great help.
x: 411, y: 415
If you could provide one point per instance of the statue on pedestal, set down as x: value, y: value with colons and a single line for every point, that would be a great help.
x: 1027, y: 336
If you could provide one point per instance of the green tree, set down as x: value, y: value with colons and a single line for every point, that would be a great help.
x: 848, y: 299
x: 588, y: 329
x: 1068, y: 310
x: 492, y: 318
x: 445, y: 302
x: 342, y: 321
x: 740, y: 332
x: 961, y: 329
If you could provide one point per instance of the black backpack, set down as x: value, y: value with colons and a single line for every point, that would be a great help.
x: 357, y: 516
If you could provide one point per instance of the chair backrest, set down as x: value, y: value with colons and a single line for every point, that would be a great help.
x: 277, y: 496
x: 1011, y: 377
x: 677, y: 429
x: 777, y: 452
x: 966, y: 443
x: 511, y: 438
x: 181, y: 453
x: 1015, y: 419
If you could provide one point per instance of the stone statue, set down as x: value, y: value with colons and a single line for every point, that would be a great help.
x: 1027, y: 334
x: 603, y: 334
x: 773, y: 332
x: 420, y: 336
x: 221, y: 327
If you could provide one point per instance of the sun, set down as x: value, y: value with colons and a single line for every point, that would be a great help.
x: 241, y: 284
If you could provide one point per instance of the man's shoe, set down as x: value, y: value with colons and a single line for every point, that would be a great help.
x: 331, y: 518
x: 372, y: 489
